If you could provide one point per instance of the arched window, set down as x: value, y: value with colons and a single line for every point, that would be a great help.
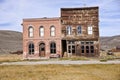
x: 52, y: 31
x: 31, y: 48
x: 52, y: 47
x: 30, y: 31
x: 90, y: 31
x: 41, y: 31
x: 79, y: 30
x: 69, y: 30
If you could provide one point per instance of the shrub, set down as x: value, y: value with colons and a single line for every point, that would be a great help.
x: 17, y: 52
x: 103, y: 60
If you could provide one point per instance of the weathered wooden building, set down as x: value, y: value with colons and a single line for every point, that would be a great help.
x: 75, y: 33
x: 80, y: 31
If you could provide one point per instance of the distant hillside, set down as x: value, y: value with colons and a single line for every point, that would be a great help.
x: 10, y: 41
x: 110, y: 42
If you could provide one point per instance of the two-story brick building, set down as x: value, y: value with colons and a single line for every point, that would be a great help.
x: 76, y: 33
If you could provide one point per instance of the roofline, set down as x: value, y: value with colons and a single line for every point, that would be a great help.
x: 41, y: 19
x: 95, y: 7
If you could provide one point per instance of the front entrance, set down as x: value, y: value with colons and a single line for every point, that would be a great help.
x: 71, y: 47
x: 78, y: 50
x: 42, y: 50
x: 64, y: 47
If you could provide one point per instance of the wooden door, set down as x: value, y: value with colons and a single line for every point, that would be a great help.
x: 42, y: 50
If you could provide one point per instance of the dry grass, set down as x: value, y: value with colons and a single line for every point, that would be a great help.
x: 105, y: 57
x: 61, y: 72
x: 74, y: 58
x: 117, y: 54
x: 10, y: 57
x: 15, y: 57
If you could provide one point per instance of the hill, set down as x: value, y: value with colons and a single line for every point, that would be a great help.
x: 109, y: 42
x: 10, y: 41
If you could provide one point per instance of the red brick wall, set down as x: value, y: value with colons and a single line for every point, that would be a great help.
x: 46, y: 23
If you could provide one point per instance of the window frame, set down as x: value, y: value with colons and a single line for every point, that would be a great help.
x: 41, y: 33
x: 82, y: 49
x: 69, y: 30
x: 90, y: 30
x: 52, y: 32
x: 31, y: 48
x: 79, y: 33
x: 87, y: 49
x: 52, y: 48
x: 30, y: 32
x: 91, y: 49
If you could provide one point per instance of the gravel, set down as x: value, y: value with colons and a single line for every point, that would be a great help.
x: 64, y: 62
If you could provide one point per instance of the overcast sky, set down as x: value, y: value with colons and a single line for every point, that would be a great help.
x: 13, y: 11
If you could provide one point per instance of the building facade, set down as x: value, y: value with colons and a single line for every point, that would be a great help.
x: 75, y: 33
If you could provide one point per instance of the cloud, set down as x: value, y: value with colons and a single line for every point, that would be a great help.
x: 13, y: 11
x: 5, y: 24
x: 109, y: 30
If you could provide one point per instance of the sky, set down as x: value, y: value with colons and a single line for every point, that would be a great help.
x: 12, y: 12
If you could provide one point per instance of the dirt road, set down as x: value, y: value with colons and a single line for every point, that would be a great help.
x: 60, y: 62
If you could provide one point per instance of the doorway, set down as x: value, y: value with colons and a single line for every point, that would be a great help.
x: 64, y: 47
x: 71, y: 47
x: 42, y: 50
x: 78, y: 50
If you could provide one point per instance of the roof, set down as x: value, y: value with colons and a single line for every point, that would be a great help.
x: 41, y: 19
x: 80, y: 8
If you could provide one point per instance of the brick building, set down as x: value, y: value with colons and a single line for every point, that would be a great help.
x: 76, y: 33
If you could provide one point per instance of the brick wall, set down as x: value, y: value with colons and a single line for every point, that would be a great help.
x: 36, y: 39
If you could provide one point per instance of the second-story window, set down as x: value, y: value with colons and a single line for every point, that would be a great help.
x: 69, y: 30
x: 79, y: 30
x: 41, y: 31
x: 90, y: 30
x: 30, y: 31
x: 52, y: 31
